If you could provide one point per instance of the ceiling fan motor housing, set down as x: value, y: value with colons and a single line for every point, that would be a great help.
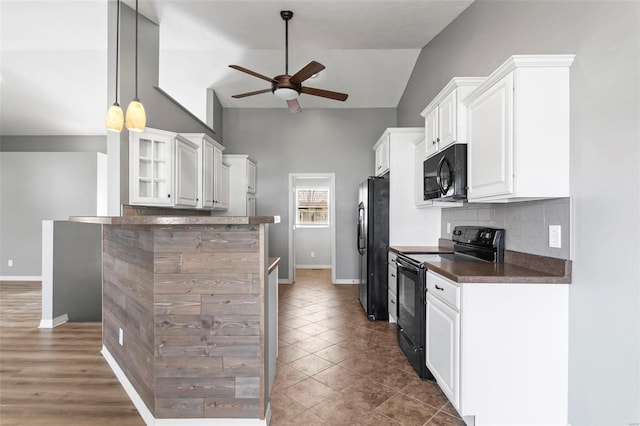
x: 284, y: 82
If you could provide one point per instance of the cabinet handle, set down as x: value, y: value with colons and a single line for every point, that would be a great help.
x: 393, y: 302
x: 168, y: 195
x: 433, y: 142
x: 439, y: 288
x: 393, y: 275
x: 438, y: 139
x: 197, y: 199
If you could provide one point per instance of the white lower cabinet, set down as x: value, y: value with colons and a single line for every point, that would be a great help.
x: 499, y: 351
x: 443, y: 350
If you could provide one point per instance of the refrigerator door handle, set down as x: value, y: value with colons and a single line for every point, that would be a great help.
x: 360, y: 233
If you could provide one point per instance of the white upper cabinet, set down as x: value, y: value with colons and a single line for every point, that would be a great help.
x: 518, y: 125
x: 445, y: 116
x: 251, y: 177
x: 151, y: 167
x: 210, y: 185
x: 186, y: 183
x: 223, y: 198
x: 242, y: 177
x: 382, y: 154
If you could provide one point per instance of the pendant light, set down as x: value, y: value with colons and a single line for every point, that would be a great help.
x: 136, y: 117
x: 115, y: 118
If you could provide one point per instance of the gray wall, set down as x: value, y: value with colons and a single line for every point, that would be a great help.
x: 604, y: 345
x: 74, y: 143
x: 336, y: 141
x: 77, y: 271
x: 35, y: 186
x: 526, y: 224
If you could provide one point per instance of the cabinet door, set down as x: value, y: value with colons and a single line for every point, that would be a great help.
x: 447, y: 115
x: 217, y: 177
x: 251, y: 177
x: 207, y: 174
x: 186, y: 185
x: 490, y: 149
x: 150, y: 167
x: 382, y: 157
x: 431, y: 132
x: 442, y: 352
x: 251, y: 205
x: 224, y: 188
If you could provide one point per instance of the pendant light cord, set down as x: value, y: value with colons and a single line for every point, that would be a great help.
x: 286, y: 46
x: 117, y: 46
x: 136, y: 49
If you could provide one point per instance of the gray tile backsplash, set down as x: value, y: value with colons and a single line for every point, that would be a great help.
x: 526, y: 223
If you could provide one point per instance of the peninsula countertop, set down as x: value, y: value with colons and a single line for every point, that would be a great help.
x: 176, y: 220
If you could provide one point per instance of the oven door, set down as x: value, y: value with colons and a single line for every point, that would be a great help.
x: 411, y: 314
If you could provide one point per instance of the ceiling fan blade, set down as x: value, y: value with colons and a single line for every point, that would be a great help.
x: 253, y: 73
x: 244, y: 95
x: 325, y: 93
x: 294, y: 106
x: 310, y: 69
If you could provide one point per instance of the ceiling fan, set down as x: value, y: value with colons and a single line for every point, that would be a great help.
x: 289, y: 87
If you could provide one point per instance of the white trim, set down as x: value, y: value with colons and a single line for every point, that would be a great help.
x: 298, y: 266
x: 20, y: 277
x: 46, y: 312
x: 332, y: 219
x: 518, y: 61
x: 284, y: 281
x: 150, y: 420
x: 347, y: 281
x: 52, y: 323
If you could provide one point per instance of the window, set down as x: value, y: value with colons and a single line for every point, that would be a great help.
x: 312, y: 207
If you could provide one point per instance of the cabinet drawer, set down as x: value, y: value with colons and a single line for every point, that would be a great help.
x: 444, y: 289
x: 393, y: 307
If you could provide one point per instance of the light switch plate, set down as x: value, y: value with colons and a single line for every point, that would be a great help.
x: 120, y: 336
x: 555, y: 236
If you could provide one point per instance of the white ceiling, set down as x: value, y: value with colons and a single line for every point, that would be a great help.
x: 369, y: 48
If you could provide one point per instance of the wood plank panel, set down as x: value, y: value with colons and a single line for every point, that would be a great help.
x: 204, y: 283
x: 195, y: 387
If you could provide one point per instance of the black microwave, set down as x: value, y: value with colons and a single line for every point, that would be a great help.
x: 445, y: 174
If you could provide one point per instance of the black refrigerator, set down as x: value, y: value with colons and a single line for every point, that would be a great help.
x: 373, y: 239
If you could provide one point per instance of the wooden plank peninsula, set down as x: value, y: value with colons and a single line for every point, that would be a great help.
x: 188, y: 316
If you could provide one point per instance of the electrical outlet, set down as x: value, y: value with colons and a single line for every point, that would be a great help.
x: 313, y: 254
x: 555, y: 236
x: 448, y: 228
x: 120, y: 337
x: 10, y: 263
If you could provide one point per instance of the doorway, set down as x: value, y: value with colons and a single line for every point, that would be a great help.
x: 312, y: 220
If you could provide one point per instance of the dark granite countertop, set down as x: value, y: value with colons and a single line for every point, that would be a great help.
x: 506, y: 273
x: 174, y: 220
x: 420, y: 249
x: 273, y: 262
x: 518, y: 267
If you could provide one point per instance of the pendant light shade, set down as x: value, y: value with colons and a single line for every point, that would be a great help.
x: 136, y: 117
x: 115, y: 119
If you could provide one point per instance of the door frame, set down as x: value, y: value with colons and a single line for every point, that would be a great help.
x: 292, y: 219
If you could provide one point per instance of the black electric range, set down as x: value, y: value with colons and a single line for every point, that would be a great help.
x: 471, y: 244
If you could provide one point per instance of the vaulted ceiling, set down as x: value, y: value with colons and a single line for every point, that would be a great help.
x: 54, y: 54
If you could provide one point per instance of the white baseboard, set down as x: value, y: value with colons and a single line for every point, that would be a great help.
x: 298, y: 266
x: 347, y: 281
x: 20, y: 277
x: 150, y: 420
x: 284, y: 281
x: 52, y: 323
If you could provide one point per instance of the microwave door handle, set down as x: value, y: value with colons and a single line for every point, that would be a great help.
x: 442, y: 162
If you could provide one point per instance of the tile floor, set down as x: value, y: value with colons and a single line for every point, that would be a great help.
x: 337, y: 368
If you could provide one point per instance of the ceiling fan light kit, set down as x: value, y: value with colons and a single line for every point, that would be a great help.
x: 289, y: 87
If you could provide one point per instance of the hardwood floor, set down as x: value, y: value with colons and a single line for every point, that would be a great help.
x: 54, y: 377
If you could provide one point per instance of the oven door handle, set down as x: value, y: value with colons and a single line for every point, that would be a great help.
x: 401, y: 263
